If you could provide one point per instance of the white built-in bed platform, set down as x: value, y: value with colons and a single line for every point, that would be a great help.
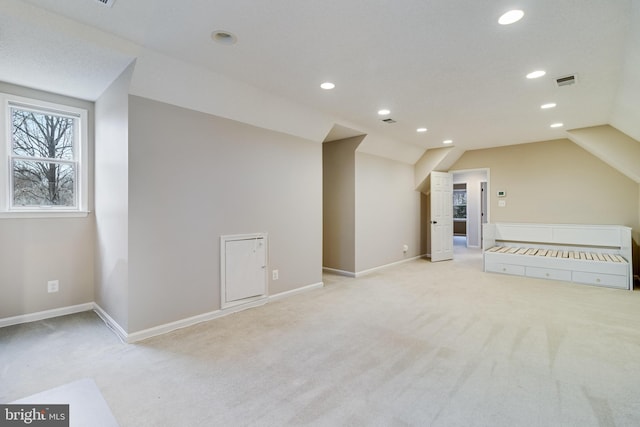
x: 589, y: 254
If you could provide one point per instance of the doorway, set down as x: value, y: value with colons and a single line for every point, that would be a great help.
x: 484, y: 193
x: 475, y: 183
x: 460, y: 214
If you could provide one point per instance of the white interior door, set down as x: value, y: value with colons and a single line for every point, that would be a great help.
x: 483, y: 209
x: 244, y: 269
x: 441, y: 216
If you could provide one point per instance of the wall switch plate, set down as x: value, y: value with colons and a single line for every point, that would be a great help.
x: 275, y: 274
x: 502, y: 203
x: 53, y: 286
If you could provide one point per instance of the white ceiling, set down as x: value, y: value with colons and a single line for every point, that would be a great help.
x: 444, y: 65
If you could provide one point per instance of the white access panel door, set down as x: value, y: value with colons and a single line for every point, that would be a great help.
x: 441, y: 216
x: 244, y: 269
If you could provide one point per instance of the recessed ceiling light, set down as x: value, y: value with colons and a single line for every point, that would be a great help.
x: 383, y: 112
x: 421, y: 130
x: 510, y: 17
x: 224, y: 37
x: 536, y: 74
x: 327, y: 85
x: 549, y: 105
x: 447, y: 141
x: 557, y: 125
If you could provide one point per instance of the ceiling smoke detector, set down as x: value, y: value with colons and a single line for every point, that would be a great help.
x: 566, y: 80
x: 389, y: 120
x: 108, y: 3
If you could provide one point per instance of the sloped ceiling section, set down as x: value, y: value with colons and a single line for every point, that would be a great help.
x: 447, y: 66
x: 613, y: 147
x: 166, y: 79
x: 438, y: 159
x: 383, y: 146
x: 338, y: 132
x: 49, y: 52
x: 626, y: 111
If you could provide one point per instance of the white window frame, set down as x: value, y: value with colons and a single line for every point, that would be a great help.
x: 7, y: 210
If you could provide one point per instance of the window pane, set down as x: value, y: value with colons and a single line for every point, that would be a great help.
x: 45, y: 135
x: 43, y: 184
x: 459, y: 197
x: 460, y: 212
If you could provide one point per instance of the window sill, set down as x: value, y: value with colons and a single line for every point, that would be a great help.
x: 43, y: 214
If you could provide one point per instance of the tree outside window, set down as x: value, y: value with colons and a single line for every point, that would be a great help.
x: 459, y: 204
x: 43, y: 159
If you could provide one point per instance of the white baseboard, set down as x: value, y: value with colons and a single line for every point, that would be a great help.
x: 110, y: 322
x: 205, y: 317
x: 340, y: 272
x: 172, y: 326
x: 156, y: 330
x: 47, y: 314
x: 296, y: 291
x: 371, y: 270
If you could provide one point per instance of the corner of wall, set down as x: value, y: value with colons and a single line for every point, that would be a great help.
x: 111, y: 199
x: 338, y: 195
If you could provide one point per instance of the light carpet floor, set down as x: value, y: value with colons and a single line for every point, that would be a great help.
x: 418, y: 344
x: 87, y: 407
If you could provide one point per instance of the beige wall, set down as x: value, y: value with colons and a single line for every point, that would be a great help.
x: 34, y: 251
x: 338, y: 204
x: 371, y: 209
x: 555, y: 182
x: 111, y: 182
x: 387, y: 212
x: 194, y: 177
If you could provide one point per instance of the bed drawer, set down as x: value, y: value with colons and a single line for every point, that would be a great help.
x: 601, y: 279
x: 548, y: 273
x: 497, y: 267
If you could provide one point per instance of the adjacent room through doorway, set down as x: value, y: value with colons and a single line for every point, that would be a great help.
x: 470, y: 206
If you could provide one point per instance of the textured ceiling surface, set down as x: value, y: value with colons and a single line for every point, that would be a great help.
x: 447, y: 66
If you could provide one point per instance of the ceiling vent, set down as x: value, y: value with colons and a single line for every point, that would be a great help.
x: 566, y: 80
x: 388, y: 120
x: 108, y: 3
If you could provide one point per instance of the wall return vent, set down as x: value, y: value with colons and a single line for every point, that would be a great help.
x: 566, y: 80
x: 108, y: 3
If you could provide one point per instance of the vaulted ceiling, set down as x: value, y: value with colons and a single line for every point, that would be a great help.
x: 447, y: 66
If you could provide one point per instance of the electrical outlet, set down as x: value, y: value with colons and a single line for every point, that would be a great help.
x: 274, y: 274
x: 405, y: 248
x: 53, y: 286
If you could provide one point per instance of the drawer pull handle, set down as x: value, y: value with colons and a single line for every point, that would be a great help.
x: 547, y: 274
x: 504, y: 269
x: 598, y: 280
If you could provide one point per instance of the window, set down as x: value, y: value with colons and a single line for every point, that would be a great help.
x: 45, y: 154
x: 460, y: 204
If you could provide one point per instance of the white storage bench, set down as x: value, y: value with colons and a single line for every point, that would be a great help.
x: 590, y: 254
